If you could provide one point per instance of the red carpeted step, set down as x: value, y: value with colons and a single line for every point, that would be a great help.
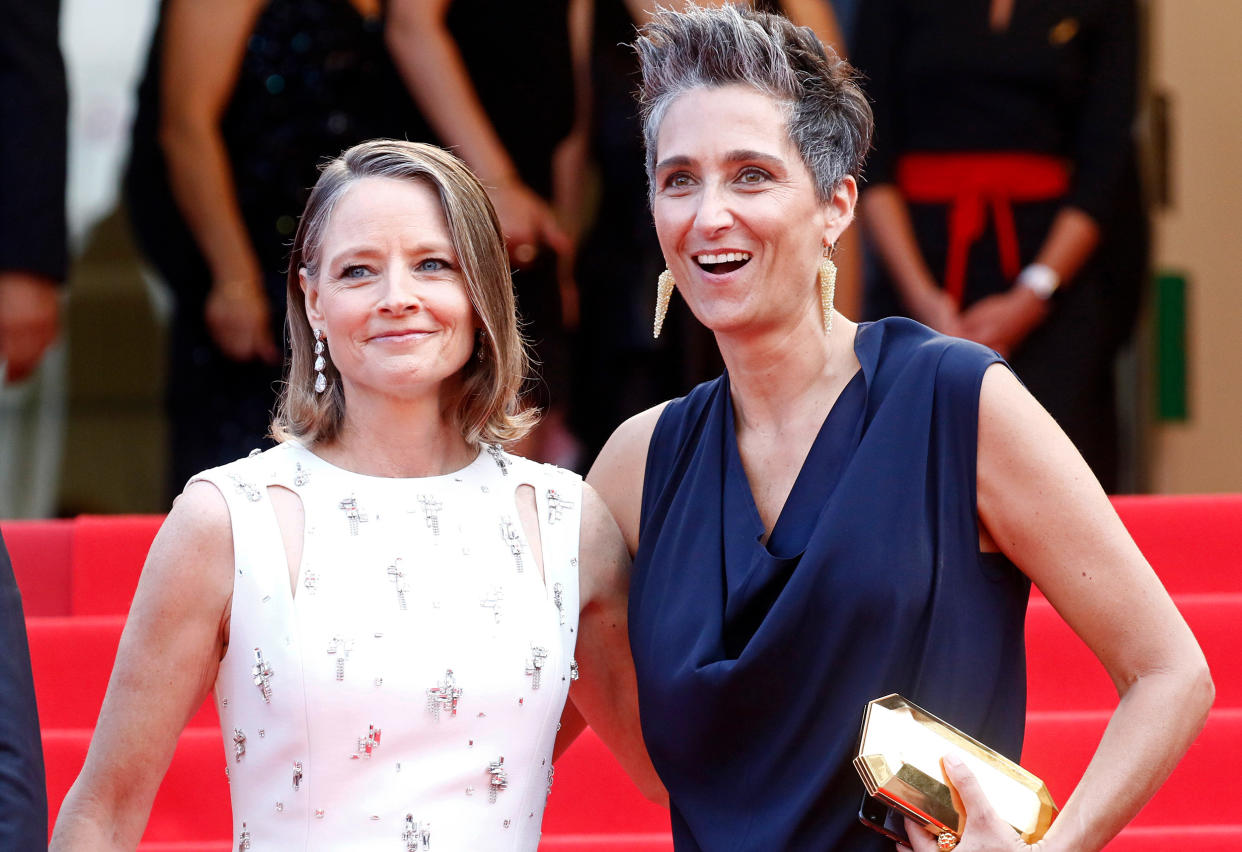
x: 1205, y: 789
x: 620, y: 842
x: 1062, y: 674
x: 597, y: 797
x: 72, y: 659
x: 1193, y: 542
x: 108, y: 555
x: 1200, y: 838
x: 193, y: 801
x: 40, y: 551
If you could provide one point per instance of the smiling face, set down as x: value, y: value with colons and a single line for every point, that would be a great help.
x: 735, y: 208
x: 389, y: 294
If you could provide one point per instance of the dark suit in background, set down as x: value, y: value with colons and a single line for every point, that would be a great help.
x: 33, y: 145
x: 23, y: 791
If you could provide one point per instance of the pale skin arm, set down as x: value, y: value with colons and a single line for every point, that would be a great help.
x: 1041, y: 505
x: 606, y: 694
x: 204, y: 44
x: 165, y: 667
x: 419, y: 40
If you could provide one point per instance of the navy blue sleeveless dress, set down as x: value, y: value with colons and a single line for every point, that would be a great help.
x: 754, y: 660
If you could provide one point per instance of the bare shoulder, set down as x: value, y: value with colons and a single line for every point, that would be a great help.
x: 617, y: 474
x: 604, y: 560
x: 193, y: 549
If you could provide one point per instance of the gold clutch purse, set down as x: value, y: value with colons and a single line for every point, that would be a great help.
x: 899, y: 753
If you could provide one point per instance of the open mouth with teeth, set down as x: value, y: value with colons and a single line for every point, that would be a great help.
x: 720, y: 264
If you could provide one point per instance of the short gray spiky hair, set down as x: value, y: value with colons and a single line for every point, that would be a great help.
x: 830, y: 120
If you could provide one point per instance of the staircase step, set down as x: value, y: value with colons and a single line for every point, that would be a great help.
x: 1062, y: 674
x: 72, y: 659
x: 1200, y: 838
x: 108, y: 554
x: 1193, y: 542
x: 1202, y: 789
x: 40, y: 553
x: 192, y: 803
x: 597, y: 797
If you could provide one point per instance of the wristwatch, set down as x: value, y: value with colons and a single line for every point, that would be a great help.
x: 1040, y: 279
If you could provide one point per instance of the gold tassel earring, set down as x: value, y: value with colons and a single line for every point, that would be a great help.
x: 827, y: 288
x: 664, y: 292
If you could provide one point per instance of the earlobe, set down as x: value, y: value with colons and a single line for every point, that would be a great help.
x: 310, y: 295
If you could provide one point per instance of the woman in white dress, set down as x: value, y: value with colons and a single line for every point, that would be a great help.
x: 387, y: 605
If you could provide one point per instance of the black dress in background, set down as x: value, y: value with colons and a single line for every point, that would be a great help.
x: 1059, y: 81
x: 619, y: 369
x: 316, y: 79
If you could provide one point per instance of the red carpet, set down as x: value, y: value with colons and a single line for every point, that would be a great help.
x: 77, y: 579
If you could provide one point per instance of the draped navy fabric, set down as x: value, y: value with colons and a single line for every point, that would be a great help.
x: 754, y: 660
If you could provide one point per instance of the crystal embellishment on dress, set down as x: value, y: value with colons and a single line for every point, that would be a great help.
x: 398, y: 580
x: 499, y: 779
x: 254, y: 495
x: 301, y: 475
x: 573, y: 669
x: 415, y: 835
x: 444, y: 696
x: 512, y: 540
x: 534, y: 668
x: 239, y: 745
x: 498, y: 456
x: 310, y: 581
x: 557, y: 505
x: 368, y: 744
x: 431, y: 512
x: 340, y: 646
x: 297, y: 775
x: 262, y: 673
x: 353, y: 515
x: 494, y: 600
x: 243, y: 839
x: 551, y: 772
x: 558, y: 598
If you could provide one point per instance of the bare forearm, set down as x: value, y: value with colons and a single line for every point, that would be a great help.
x: 1071, y: 240
x: 202, y: 185
x: 434, y: 72
x: 87, y: 823
x: 887, y: 220
x: 1154, y: 724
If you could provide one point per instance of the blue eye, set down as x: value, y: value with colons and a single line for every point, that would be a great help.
x: 432, y: 264
x: 355, y: 271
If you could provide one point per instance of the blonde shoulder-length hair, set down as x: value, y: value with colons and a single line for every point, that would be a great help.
x: 487, y: 405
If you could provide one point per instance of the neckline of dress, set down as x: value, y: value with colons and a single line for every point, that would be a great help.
x: 320, y: 461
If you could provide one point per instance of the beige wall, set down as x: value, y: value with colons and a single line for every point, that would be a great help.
x: 1194, y: 61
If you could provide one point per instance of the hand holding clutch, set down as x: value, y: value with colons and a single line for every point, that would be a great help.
x: 985, y: 830
x: 906, y: 759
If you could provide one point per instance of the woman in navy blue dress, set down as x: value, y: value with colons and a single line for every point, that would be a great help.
x: 849, y: 510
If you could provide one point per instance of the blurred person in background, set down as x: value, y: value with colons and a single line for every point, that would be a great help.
x: 241, y: 101
x: 1002, y: 196
x: 33, y: 254
x: 495, y: 82
x: 619, y: 369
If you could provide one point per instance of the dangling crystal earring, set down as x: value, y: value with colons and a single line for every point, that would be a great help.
x: 664, y: 292
x: 827, y: 287
x: 321, y: 383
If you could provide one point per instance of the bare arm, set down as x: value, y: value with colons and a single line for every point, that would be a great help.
x: 178, y: 618
x: 203, y: 48
x: 1004, y: 320
x: 617, y: 474
x: 887, y: 220
x: 430, y: 63
x: 606, y: 694
x: 1041, y: 505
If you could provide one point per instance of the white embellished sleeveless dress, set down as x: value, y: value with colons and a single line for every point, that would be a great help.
x: 407, y: 697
